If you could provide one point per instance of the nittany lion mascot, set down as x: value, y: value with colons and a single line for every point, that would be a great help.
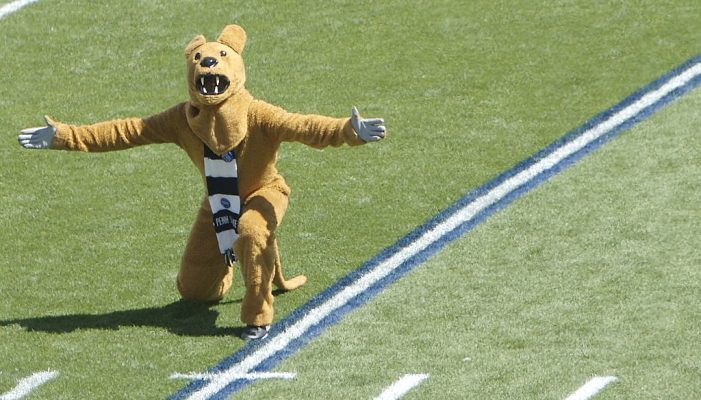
x: 233, y: 140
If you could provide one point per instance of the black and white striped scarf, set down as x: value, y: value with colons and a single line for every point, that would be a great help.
x: 221, y: 173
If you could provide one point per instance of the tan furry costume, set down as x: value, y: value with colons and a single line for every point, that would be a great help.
x: 229, y: 119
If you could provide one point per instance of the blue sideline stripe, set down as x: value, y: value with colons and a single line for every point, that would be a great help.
x: 466, y: 226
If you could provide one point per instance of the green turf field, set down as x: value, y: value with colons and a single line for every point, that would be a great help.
x: 594, y: 273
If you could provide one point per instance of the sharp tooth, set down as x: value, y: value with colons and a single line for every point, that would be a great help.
x: 216, y: 90
x: 202, y: 81
x: 217, y: 80
x: 204, y: 90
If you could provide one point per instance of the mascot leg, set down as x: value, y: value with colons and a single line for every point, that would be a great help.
x: 257, y: 252
x: 203, y: 277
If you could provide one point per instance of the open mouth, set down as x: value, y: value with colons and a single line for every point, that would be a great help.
x: 211, y: 84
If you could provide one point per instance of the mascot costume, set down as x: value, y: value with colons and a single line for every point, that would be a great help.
x: 233, y: 140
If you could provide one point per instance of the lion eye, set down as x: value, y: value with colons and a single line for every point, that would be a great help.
x: 222, y: 53
x: 197, y: 56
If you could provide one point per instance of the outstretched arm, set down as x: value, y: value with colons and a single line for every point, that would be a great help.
x: 104, y: 136
x: 315, y: 130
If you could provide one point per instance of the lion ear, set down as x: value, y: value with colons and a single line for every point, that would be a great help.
x: 233, y: 36
x: 198, y: 41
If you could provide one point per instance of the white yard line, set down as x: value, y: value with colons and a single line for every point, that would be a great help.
x: 249, y: 376
x: 465, y: 214
x: 591, y: 388
x: 9, y: 8
x: 402, y: 386
x: 26, y: 385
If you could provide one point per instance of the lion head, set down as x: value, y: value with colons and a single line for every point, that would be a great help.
x: 215, y: 70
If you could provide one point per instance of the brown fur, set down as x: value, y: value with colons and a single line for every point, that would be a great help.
x: 231, y: 120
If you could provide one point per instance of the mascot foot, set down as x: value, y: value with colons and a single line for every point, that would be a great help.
x: 252, y: 332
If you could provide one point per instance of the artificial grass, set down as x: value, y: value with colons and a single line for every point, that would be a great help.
x: 92, y: 242
x: 592, y: 274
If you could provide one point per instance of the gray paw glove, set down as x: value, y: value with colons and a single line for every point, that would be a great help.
x: 370, y: 130
x: 37, y: 138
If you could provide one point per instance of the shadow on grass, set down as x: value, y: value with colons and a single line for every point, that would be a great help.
x: 181, y: 318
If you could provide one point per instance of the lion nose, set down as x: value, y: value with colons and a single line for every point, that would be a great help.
x: 209, y: 62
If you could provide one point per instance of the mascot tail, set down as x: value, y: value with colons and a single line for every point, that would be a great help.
x: 279, y: 279
x: 287, y: 285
